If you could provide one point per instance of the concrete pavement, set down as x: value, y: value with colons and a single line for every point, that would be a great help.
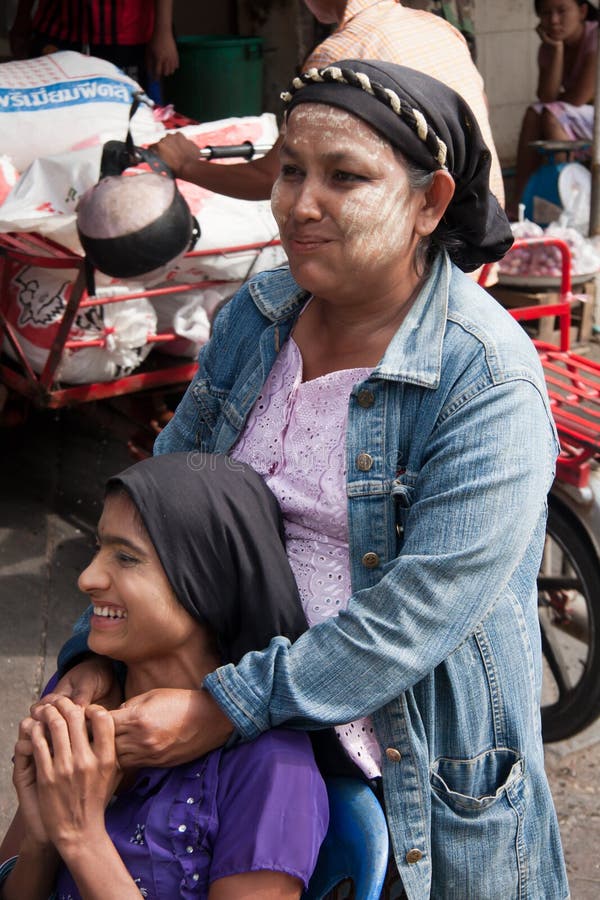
x: 52, y: 472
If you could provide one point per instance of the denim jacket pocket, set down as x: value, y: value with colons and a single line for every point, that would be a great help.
x: 475, y: 784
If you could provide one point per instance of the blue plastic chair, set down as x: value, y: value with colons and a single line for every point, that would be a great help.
x: 356, y: 844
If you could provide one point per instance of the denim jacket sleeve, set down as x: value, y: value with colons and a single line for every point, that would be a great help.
x: 477, y: 502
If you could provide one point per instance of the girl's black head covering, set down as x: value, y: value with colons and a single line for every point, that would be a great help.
x: 431, y: 125
x: 218, y: 532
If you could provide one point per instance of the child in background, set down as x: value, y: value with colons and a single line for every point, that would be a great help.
x: 567, y: 56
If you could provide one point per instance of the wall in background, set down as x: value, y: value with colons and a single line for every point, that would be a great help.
x: 507, y: 59
x: 205, y: 18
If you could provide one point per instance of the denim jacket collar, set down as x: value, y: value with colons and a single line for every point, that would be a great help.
x: 280, y: 298
x: 415, y: 353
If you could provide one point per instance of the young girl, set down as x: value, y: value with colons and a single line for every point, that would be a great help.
x: 190, y: 572
x: 567, y: 55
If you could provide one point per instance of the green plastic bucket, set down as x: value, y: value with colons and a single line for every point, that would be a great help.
x: 218, y: 76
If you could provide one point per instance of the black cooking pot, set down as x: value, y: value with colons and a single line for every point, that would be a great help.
x: 130, y: 225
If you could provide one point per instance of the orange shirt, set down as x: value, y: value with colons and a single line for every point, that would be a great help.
x: 383, y: 29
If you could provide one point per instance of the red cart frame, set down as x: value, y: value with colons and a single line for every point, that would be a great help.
x: 42, y: 389
x: 573, y: 381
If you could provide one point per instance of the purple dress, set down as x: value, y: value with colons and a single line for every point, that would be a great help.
x: 261, y: 805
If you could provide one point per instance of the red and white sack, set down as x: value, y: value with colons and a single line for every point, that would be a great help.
x: 189, y: 315
x: 37, y: 300
x: 65, y: 101
x: 45, y: 197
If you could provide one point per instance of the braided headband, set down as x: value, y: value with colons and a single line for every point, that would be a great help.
x: 414, y: 118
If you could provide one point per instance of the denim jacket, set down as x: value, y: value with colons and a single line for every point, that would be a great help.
x: 450, y: 455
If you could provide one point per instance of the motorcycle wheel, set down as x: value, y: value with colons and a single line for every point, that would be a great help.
x: 569, y: 613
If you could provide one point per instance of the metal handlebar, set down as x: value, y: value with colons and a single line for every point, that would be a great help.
x: 247, y: 150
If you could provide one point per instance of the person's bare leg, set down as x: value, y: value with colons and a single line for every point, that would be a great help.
x: 552, y: 130
x: 528, y: 158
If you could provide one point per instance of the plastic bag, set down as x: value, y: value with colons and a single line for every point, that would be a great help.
x: 546, y: 261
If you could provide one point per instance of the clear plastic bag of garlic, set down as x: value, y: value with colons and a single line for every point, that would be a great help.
x: 546, y: 262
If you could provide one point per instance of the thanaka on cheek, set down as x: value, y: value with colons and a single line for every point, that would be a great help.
x: 344, y: 206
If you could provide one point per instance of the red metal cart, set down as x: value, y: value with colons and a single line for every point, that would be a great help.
x: 573, y: 381
x: 43, y: 389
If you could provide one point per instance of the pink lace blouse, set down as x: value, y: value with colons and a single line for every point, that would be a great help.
x: 295, y: 438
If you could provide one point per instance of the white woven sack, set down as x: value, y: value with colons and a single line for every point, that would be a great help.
x: 65, y: 101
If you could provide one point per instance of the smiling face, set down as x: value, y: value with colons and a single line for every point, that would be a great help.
x: 137, y: 618
x: 348, y: 219
x: 562, y: 20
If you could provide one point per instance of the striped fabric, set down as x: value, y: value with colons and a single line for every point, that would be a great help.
x: 7, y: 867
x: 383, y: 29
x: 96, y: 22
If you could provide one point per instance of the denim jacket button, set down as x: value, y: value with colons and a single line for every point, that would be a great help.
x: 364, y: 461
x: 413, y: 856
x: 365, y: 398
x: 370, y: 560
x: 393, y: 755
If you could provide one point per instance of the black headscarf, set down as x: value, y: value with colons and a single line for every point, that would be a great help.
x: 431, y: 125
x: 218, y: 532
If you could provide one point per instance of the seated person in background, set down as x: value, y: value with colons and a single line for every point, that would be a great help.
x: 190, y: 572
x: 566, y: 83
x: 135, y: 35
x: 366, y: 29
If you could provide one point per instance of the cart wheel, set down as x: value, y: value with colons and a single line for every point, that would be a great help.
x: 569, y: 612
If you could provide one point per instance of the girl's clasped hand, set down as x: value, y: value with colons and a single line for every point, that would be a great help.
x: 65, y: 772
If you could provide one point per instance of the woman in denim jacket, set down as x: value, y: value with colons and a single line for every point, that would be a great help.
x: 400, y: 416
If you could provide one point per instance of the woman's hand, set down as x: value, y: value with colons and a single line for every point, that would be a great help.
x: 167, y: 727
x: 162, y: 57
x: 76, y: 775
x: 545, y: 37
x: 91, y: 681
